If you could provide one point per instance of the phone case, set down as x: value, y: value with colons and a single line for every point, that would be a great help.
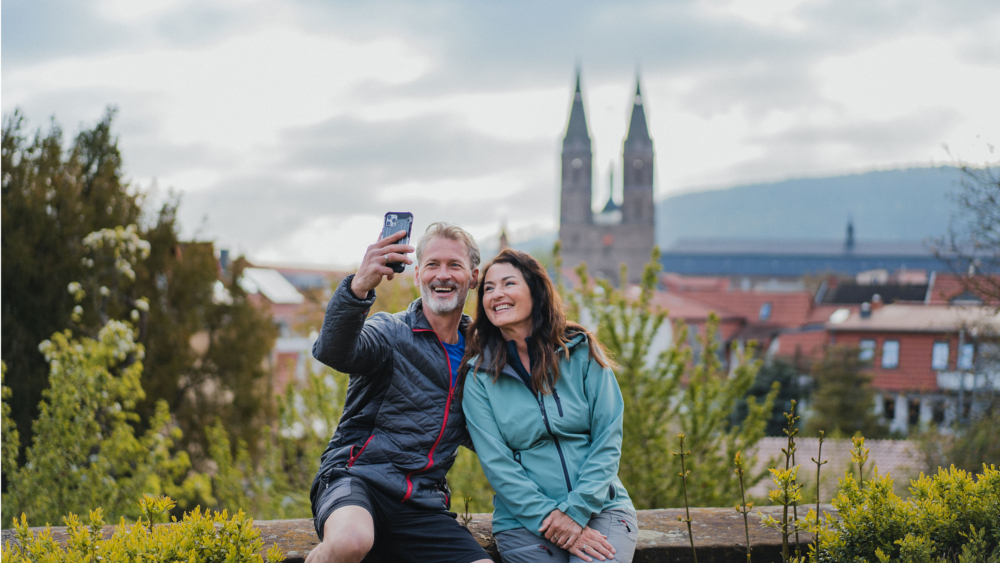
x: 394, y: 222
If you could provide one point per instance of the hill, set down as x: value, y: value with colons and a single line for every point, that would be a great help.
x: 910, y: 204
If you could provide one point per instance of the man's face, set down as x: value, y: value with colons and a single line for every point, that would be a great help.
x: 444, y: 275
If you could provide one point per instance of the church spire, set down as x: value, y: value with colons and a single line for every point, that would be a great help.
x: 638, y: 131
x: 576, y: 129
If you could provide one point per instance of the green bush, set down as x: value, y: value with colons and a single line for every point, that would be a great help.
x: 951, y: 516
x: 199, y: 536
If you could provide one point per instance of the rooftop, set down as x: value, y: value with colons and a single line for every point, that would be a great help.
x: 919, y: 318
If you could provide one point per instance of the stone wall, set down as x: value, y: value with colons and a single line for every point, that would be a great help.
x: 718, y: 536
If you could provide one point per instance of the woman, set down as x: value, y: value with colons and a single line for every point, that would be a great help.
x: 545, y: 413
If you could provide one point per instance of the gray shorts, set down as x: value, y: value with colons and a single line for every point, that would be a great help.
x: 522, y: 546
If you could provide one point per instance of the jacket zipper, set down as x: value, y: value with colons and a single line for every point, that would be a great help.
x: 444, y: 423
x: 562, y: 460
x: 555, y: 395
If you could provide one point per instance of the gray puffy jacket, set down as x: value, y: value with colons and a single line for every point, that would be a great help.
x: 402, y: 425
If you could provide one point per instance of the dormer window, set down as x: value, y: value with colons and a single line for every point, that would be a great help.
x: 765, y: 311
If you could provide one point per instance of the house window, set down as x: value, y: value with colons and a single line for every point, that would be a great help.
x: 890, y: 354
x: 914, y: 412
x: 939, y: 356
x: 889, y: 407
x: 939, y: 407
x: 966, y: 355
x: 867, y: 353
x: 765, y: 311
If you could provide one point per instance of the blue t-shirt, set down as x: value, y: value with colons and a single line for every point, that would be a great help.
x: 455, y: 353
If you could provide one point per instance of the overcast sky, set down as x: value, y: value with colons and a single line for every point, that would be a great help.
x: 290, y: 127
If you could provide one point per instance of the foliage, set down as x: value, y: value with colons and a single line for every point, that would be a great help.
x: 786, y: 375
x: 953, y: 515
x: 843, y: 399
x: 197, y: 536
x: 667, y: 391
x: 85, y: 452
x: 277, y: 485
x: 973, y: 243
x: 10, y: 436
x: 53, y: 198
x: 967, y: 448
x: 467, y: 480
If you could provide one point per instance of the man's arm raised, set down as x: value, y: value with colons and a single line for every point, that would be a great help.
x: 346, y: 343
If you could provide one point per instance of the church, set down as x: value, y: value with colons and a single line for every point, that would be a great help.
x: 618, y: 234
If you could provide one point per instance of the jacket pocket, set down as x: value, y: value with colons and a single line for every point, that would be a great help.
x: 612, y: 492
x: 354, y: 457
x: 555, y: 395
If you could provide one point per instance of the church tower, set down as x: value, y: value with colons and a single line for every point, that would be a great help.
x: 637, y: 167
x: 577, y: 169
x: 615, y: 236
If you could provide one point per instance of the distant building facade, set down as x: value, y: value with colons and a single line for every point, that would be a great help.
x: 796, y: 258
x: 619, y: 234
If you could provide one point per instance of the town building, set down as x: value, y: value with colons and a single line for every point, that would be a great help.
x: 796, y: 258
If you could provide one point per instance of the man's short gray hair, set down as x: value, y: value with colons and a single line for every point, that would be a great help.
x: 450, y: 232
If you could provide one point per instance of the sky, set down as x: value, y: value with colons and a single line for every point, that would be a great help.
x: 288, y: 128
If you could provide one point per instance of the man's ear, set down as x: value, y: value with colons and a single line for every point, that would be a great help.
x: 475, y: 280
x: 416, y: 275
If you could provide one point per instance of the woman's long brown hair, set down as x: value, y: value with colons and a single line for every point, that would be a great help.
x: 550, y: 331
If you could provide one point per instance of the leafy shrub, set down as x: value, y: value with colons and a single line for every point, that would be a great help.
x: 951, y: 516
x: 198, y: 536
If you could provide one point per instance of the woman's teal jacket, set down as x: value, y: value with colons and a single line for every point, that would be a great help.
x: 542, y: 452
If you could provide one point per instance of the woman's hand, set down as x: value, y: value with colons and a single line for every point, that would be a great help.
x: 560, y: 529
x: 591, y: 543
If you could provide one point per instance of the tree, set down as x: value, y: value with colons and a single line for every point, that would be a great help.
x: 671, y: 392
x: 786, y: 375
x: 843, y: 400
x: 86, y: 453
x: 973, y: 242
x: 51, y: 199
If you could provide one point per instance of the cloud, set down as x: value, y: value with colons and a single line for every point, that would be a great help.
x: 343, y: 170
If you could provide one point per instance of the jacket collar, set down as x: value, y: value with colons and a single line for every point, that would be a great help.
x: 487, y: 361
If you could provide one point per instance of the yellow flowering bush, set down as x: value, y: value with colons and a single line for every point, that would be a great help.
x: 199, y: 537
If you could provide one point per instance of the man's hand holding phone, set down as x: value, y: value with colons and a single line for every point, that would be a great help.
x: 373, y: 266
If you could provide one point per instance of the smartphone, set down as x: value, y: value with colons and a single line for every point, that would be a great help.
x: 394, y: 222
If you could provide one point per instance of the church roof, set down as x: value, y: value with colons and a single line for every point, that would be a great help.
x: 637, y: 128
x: 611, y: 206
x: 576, y: 129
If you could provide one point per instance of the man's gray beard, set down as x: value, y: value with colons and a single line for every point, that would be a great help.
x: 455, y: 303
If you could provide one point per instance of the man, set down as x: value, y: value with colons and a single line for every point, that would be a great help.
x: 381, y: 481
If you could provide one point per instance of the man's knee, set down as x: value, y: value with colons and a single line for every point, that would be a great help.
x: 348, y: 535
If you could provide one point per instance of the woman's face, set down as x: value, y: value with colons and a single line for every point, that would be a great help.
x: 507, y: 301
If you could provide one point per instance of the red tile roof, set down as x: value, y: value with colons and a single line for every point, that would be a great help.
x: 789, y: 309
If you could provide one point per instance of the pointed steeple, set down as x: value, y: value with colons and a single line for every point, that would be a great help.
x: 576, y: 129
x: 638, y: 131
x: 611, y: 205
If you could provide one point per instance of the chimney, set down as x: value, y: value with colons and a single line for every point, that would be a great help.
x: 866, y: 310
x: 876, y: 302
